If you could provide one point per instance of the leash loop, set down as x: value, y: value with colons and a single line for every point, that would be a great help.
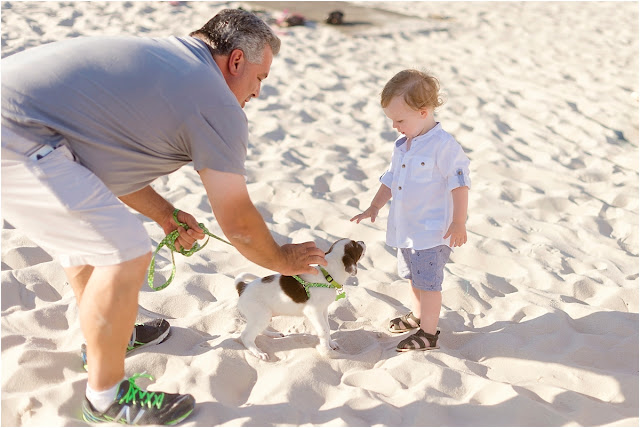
x: 169, y: 241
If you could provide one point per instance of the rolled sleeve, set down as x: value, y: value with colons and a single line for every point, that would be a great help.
x: 455, y: 165
x: 387, y: 179
x: 460, y: 178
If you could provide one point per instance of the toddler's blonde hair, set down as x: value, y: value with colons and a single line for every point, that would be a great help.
x: 419, y: 89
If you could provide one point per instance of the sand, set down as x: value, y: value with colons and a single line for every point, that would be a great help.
x: 540, y: 308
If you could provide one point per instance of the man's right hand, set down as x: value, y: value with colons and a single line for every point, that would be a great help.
x: 299, y: 257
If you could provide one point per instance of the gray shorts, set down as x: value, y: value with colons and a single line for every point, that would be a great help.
x: 425, y: 268
x: 65, y: 208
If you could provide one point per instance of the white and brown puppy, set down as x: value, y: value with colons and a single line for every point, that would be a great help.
x: 262, y: 298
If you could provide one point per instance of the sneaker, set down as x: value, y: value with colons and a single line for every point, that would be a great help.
x: 135, y: 406
x: 149, y: 333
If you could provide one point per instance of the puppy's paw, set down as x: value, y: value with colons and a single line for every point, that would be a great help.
x: 328, y: 349
x: 260, y: 355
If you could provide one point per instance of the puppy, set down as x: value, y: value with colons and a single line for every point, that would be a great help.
x: 262, y: 298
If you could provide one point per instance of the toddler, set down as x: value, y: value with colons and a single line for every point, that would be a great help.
x: 428, y: 183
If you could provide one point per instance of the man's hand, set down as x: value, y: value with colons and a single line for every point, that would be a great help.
x: 186, y: 237
x: 298, y: 257
x: 371, y: 212
x: 458, y: 233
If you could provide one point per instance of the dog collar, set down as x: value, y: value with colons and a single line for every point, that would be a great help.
x: 329, y: 278
x: 332, y: 284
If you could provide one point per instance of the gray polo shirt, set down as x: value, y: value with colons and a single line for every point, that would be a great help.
x: 131, y: 109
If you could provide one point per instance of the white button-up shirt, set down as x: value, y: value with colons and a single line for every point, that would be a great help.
x: 421, y: 180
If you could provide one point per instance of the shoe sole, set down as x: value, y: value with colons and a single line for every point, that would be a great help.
x: 402, y: 331
x: 418, y: 349
x: 181, y: 418
x: 91, y: 419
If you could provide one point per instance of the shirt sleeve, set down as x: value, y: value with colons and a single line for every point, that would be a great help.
x: 387, y: 177
x: 218, y: 140
x: 454, y: 165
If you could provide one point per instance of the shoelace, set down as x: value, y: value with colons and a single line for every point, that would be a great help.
x: 134, y: 337
x: 170, y: 242
x: 146, y: 398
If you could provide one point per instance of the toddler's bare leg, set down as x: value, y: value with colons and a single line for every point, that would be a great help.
x: 430, y: 304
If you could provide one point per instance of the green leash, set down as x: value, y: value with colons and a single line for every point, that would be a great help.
x: 170, y: 242
x: 332, y: 284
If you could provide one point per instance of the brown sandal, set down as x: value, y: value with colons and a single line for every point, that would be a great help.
x: 419, y: 341
x: 404, y: 323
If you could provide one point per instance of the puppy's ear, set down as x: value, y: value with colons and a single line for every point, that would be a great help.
x: 350, y: 265
x: 352, y: 253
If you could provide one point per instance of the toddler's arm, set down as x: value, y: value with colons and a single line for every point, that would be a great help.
x: 457, y: 230
x: 382, y: 197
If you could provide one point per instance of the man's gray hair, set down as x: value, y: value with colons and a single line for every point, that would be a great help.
x: 234, y: 29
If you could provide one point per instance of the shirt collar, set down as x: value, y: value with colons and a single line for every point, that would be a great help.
x: 403, y: 139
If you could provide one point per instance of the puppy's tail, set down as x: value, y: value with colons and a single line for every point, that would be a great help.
x: 242, y: 280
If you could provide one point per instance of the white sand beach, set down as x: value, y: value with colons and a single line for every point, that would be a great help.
x: 540, y: 308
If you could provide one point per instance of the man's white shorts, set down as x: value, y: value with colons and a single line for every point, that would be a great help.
x: 65, y: 208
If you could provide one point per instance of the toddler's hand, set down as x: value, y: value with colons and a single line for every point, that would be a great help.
x: 371, y: 212
x: 458, y: 233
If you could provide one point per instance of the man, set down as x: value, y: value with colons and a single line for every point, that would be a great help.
x: 88, y: 121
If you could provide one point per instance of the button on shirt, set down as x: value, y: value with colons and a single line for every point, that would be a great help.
x: 421, y: 180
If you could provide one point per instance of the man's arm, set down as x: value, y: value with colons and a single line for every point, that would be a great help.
x: 149, y: 203
x: 244, y: 226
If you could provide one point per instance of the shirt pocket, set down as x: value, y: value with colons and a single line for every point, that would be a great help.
x: 421, y: 169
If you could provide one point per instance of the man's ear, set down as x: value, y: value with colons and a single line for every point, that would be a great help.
x: 236, y: 62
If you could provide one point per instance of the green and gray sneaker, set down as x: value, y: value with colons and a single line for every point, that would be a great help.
x: 135, y: 406
x: 149, y: 333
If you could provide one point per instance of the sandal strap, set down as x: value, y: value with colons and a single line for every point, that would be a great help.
x: 413, y: 317
x: 404, y: 319
x: 432, y: 338
x: 420, y: 338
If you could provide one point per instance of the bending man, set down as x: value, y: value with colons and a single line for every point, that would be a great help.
x: 89, y: 123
